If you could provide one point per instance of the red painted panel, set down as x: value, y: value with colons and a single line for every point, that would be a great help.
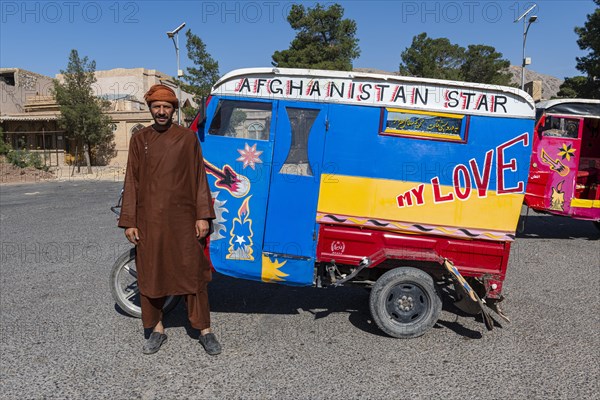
x: 474, y: 258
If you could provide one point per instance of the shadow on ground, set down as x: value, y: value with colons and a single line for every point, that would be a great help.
x: 231, y: 295
x: 556, y: 227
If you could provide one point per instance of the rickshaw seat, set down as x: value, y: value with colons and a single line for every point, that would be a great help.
x: 586, y: 184
x: 582, y: 174
x: 589, y: 173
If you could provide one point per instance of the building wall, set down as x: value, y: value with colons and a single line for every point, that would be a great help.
x: 120, y: 82
x: 534, y: 89
x: 27, y: 83
x: 125, y: 124
x: 135, y: 82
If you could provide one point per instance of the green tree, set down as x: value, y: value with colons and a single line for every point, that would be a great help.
x: 577, y: 86
x: 440, y: 59
x: 483, y: 64
x: 200, y: 78
x: 589, y: 39
x: 5, y: 147
x: 432, y: 58
x: 81, y: 113
x: 324, y: 39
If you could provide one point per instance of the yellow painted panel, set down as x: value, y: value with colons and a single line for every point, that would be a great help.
x: 582, y: 203
x: 271, y: 270
x: 376, y: 198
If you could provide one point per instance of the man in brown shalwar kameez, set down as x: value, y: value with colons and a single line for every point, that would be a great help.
x: 166, y: 213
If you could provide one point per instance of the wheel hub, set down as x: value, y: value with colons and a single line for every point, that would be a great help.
x: 405, y: 303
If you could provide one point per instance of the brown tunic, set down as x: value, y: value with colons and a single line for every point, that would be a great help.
x: 165, y: 192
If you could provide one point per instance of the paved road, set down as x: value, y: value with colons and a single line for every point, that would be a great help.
x: 61, y: 337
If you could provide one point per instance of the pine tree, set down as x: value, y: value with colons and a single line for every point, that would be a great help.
x: 483, y: 64
x: 200, y: 78
x: 432, y: 58
x: 589, y: 39
x: 325, y: 40
x: 440, y: 59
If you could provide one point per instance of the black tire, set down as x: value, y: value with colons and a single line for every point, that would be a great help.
x: 597, y: 223
x: 124, y: 288
x: 405, y: 302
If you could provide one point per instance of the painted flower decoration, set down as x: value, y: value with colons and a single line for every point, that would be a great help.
x: 249, y: 156
x: 566, y: 151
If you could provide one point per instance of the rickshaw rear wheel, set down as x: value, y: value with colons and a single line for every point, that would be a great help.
x: 405, y: 302
x: 124, y: 287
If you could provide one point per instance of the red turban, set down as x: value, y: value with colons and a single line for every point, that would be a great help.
x: 161, y: 93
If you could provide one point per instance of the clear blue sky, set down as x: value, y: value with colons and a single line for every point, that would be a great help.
x: 38, y: 35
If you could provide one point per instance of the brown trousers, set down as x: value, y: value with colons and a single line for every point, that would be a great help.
x: 197, y: 307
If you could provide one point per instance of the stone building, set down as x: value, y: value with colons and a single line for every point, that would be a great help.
x: 17, y: 84
x: 29, y: 112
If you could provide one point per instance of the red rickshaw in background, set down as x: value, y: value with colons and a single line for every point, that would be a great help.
x: 564, y: 177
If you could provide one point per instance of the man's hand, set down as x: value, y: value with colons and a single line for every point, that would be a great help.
x: 133, y: 235
x: 202, y: 226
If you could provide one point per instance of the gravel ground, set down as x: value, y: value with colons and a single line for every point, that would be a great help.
x: 62, y: 337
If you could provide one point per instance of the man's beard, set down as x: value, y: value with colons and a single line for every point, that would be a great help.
x: 166, y: 120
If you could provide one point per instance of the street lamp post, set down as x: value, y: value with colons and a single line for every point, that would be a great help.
x: 174, y: 34
x: 526, y: 24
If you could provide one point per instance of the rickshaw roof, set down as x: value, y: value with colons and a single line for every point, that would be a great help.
x: 581, y: 107
x: 514, y: 94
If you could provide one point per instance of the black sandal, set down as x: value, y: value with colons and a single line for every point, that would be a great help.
x: 210, y: 343
x: 154, y: 342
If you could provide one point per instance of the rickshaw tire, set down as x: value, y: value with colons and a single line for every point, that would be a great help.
x: 597, y: 223
x: 126, y: 306
x: 423, y: 311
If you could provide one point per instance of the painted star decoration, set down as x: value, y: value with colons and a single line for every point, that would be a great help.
x: 566, y: 151
x: 249, y: 156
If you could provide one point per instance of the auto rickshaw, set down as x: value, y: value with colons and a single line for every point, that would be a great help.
x: 405, y: 185
x: 565, y: 166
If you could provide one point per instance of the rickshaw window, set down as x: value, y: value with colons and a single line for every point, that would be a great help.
x: 301, y: 122
x: 560, y: 127
x: 242, y: 119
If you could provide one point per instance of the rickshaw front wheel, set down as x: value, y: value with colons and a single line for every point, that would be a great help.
x: 124, y: 287
x: 405, y: 302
